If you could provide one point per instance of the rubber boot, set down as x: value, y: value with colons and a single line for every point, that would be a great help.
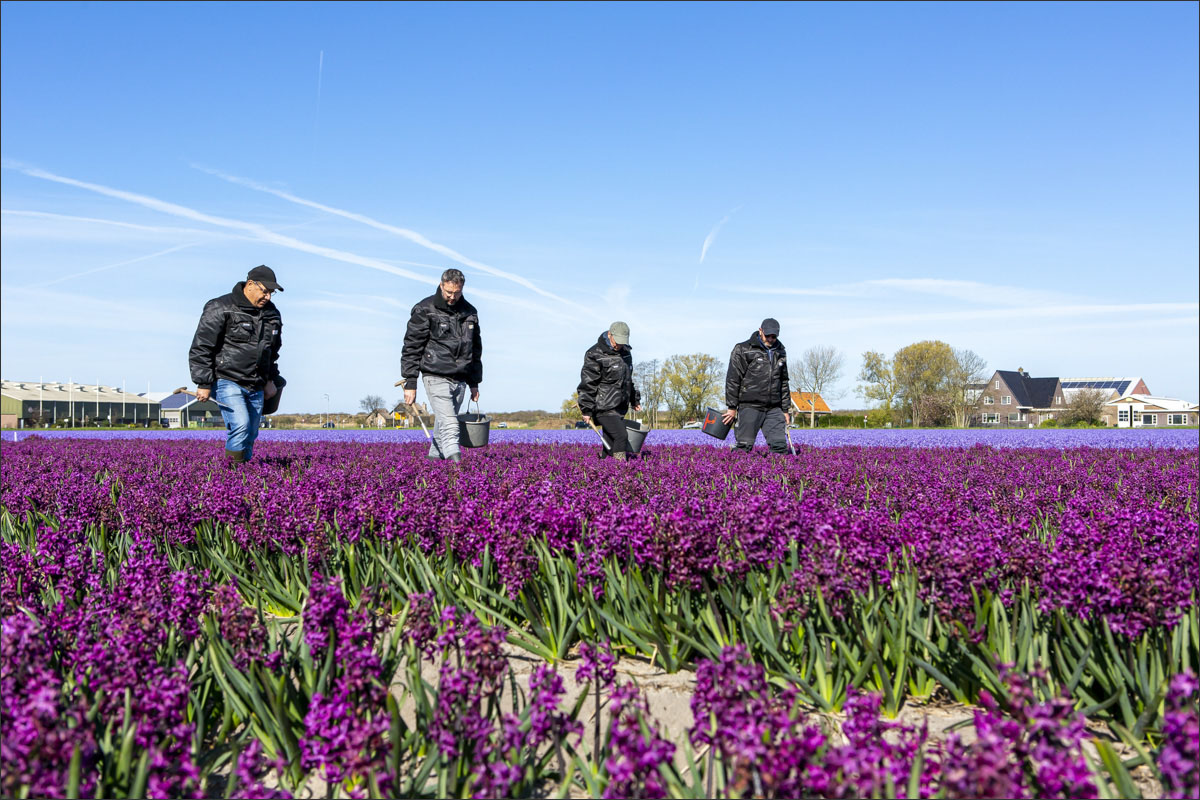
x: 234, y: 458
x: 457, y: 457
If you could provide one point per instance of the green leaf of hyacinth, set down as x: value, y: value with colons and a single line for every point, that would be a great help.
x: 1117, y: 773
x: 138, y: 788
x: 73, y: 773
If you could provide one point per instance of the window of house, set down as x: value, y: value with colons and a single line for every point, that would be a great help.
x: 991, y: 419
x: 1123, y: 415
x: 1006, y: 400
x: 1149, y: 419
x: 988, y: 400
x: 1177, y: 419
x: 1014, y: 417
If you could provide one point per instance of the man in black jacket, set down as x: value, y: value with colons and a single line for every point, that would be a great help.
x: 606, y: 389
x: 235, y: 357
x: 443, y: 345
x: 756, y: 389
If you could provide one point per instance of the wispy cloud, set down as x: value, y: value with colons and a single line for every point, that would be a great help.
x: 1047, y: 316
x: 712, y: 235
x: 965, y: 291
x: 405, y: 233
x: 970, y: 291
x: 127, y: 262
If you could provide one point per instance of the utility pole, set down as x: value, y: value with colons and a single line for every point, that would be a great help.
x: 41, y: 386
x: 326, y: 406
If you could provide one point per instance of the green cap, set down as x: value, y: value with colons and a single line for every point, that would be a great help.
x: 620, y: 332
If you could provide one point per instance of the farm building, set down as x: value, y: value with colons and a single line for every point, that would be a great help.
x: 1147, y: 411
x: 28, y: 404
x: 182, y: 409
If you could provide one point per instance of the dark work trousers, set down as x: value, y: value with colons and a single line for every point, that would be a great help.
x: 613, y: 424
x: 772, y: 422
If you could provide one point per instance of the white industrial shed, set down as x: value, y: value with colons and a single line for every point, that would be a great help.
x: 28, y: 404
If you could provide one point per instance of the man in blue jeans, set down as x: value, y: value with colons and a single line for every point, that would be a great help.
x: 234, y: 358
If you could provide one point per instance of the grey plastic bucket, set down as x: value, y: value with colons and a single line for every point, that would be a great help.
x: 473, y: 429
x: 635, y: 432
x: 714, y: 425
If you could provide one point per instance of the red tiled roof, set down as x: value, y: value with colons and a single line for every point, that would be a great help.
x: 804, y: 402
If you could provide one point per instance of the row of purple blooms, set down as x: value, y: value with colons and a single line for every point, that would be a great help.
x: 1097, y: 533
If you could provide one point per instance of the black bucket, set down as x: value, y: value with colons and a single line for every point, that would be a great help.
x: 473, y: 429
x: 635, y: 432
x: 714, y: 425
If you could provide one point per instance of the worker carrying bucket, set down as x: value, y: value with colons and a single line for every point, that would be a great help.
x: 442, y: 345
x: 756, y: 389
x: 606, y: 391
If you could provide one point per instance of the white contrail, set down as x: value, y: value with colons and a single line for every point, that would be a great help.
x: 405, y: 233
x: 113, y: 266
x: 113, y: 222
x: 255, y: 230
x: 317, y: 113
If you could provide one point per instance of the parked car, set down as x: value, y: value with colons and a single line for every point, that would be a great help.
x: 164, y: 422
x: 328, y: 424
x: 693, y: 425
x: 580, y: 423
x: 501, y: 424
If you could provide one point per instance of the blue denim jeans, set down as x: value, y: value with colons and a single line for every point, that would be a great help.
x: 242, y: 412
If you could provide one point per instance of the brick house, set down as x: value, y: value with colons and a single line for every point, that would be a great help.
x: 1013, y: 399
x: 1114, y: 389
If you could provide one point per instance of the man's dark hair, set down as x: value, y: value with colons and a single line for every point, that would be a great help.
x: 454, y: 276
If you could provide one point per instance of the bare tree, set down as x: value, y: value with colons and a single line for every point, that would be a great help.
x: 651, y: 382
x: 968, y: 369
x: 370, y: 403
x: 1086, y: 406
x: 816, y: 371
x: 879, y: 383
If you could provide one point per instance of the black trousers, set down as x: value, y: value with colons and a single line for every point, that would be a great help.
x: 613, y: 424
x: 772, y: 422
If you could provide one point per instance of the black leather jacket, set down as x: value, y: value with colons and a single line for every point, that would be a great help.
x: 238, y: 342
x: 606, y: 380
x: 755, y: 379
x: 442, y: 339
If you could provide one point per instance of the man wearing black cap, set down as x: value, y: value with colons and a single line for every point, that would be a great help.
x: 234, y: 358
x: 756, y: 389
x: 606, y: 389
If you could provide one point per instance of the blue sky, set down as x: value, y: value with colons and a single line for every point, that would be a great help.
x: 1017, y: 179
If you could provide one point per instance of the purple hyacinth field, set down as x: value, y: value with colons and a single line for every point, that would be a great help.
x: 342, y: 617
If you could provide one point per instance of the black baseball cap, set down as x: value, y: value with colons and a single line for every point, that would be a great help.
x: 770, y: 327
x: 266, y: 276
